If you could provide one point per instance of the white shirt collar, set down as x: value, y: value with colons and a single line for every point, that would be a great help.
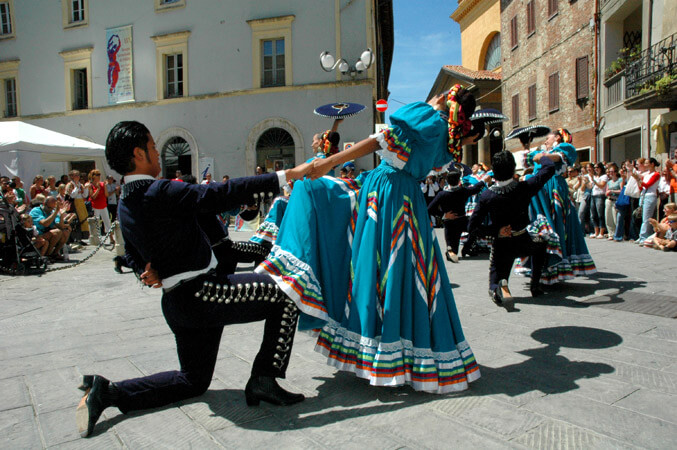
x: 137, y: 177
x: 504, y: 182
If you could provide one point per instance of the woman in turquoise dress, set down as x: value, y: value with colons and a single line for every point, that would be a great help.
x: 555, y: 217
x: 360, y: 259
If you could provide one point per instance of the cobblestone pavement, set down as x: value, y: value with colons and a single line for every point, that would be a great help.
x: 578, y: 368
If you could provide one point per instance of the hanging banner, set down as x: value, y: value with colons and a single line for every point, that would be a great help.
x: 119, y: 50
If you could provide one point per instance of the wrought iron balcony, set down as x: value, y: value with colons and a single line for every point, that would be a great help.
x: 651, y: 80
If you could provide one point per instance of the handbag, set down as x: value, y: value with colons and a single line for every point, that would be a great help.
x: 623, y: 201
x: 632, y: 188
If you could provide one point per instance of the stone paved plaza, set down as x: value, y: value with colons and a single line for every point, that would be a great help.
x: 593, y: 364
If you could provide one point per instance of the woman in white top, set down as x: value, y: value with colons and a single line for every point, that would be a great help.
x: 598, y: 179
x: 648, y: 182
x: 78, y: 193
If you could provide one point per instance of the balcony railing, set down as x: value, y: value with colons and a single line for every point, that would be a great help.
x: 654, y: 63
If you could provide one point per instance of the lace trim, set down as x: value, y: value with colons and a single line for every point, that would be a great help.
x: 386, y: 153
x: 373, y: 345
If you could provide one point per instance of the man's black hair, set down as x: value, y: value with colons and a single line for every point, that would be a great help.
x: 121, y: 142
x: 190, y: 179
x: 453, y: 177
x: 503, y: 165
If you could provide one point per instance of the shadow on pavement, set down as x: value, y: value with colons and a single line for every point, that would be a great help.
x: 344, y: 396
x: 545, y: 370
x: 561, y: 294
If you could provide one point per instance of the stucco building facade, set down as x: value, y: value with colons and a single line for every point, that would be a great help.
x: 227, y: 83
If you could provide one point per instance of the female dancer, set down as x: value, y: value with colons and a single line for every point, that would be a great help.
x: 346, y: 249
x: 324, y: 145
x: 555, y: 217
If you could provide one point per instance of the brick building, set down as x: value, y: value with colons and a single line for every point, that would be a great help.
x: 547, y: 51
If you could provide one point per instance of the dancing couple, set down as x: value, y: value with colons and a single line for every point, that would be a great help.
x: 343, y: 259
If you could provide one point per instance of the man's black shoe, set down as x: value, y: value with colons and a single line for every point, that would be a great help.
x: 536, y: 290
x: 266, y: 389
x: 95, y: 400
x: 496, y: 297
x: 118, y: 264
x: 468, y: 252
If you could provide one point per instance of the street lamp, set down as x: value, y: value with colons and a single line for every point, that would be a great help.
x: 329, y: 63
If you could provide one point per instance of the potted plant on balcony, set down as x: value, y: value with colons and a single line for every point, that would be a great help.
x: 626, y: 55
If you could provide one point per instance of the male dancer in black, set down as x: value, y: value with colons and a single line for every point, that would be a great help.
x: 451, y: 204
x: 507, y: 204
x: 166, y: 243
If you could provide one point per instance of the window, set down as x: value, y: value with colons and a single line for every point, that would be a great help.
x: 492, y: 59
x: 7, y: 19
x: 74, y: 13
x: 80, y: 89
x: 9, y: 89
x: 10, y: 98
x: 553, y: 7
x: 78, y: 70
x: 272, y: 66
x: 532, y: 102
x: 531, y: 18
x: 174, y: 75
x: 553, y: 92
x: 271, y: 51
x: 513, y: 32
x: 515, y: 111
x: 582, y: 82
x: 171, y: 52
x: 168, y: 5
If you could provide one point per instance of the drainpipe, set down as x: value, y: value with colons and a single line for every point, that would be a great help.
x: 597, y: 81
x: 648, y: 111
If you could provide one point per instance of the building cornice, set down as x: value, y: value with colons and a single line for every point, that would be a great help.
x: 77, y: 53
x: 464, y: 9
x: 171, y: 37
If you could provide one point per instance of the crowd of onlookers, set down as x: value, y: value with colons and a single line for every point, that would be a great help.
x: 53, y: 214
x: 632, y: 201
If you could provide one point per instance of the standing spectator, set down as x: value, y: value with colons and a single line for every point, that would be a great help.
x: 98, y: 198
x: 598, y: 179
x: 207, y: 179
x: 62, y: 180
x: 648, y: 181
x: 572, y: 181
x: 225, y: 178
x: 613, y: 190
x: 79, y: 193
x: 113, y: 191
x: 259, y: 170
x: 584, y: 199
x: 430, y: 188
x: 177, y: 176
x: 38, y: 187
x: 622, y: 211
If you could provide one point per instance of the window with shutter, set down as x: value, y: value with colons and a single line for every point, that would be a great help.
x: 515, y: 111
x: 531, y: 18
x: 553, y: 92
x: 532, y: 102
x: 582, y: 82
x: 513, y: 32
x: 553, y: 7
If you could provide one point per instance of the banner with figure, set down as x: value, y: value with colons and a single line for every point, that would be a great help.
x: 119, y: 50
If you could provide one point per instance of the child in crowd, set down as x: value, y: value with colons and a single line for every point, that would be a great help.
x: 38, y: 241
x: 669, y: 242
x: 662, y: 227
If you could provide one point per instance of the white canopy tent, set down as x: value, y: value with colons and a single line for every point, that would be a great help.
x: 24, y: 147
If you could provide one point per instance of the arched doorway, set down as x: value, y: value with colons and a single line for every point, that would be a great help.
x: 275, y: 150
x: 176, y: 155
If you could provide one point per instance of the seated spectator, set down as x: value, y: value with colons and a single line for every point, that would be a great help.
x: 11, y: 200
x: 662, y: 227
x: 38, y: 241
x: 68, y: 206
x: 47, y: 220
x: 669, y: 242
x: 18, y: 187
x: 50, y: 188
x: 38, y: 186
